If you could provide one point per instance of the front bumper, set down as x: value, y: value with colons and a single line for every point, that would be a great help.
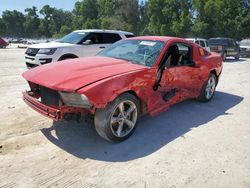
x: 55, y: 113
x: 245, y: 53
x: 39, y: 59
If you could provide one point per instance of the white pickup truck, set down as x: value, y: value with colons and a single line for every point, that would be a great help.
x: 79, y: 43
x: 202, y: 42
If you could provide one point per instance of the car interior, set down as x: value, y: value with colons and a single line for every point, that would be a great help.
x: 179, y: 55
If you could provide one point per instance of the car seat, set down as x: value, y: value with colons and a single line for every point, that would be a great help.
x: 175, y: 55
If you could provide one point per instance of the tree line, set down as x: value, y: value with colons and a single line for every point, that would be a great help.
x: 182, y: 18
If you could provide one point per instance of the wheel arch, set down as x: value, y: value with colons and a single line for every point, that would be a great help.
x: 68, y: 55
x: 143, y: 106
x: 216, y: 74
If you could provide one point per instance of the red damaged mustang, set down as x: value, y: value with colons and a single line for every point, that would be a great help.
x: 124, y: 81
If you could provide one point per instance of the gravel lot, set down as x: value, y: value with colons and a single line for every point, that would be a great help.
x: 191, y: 145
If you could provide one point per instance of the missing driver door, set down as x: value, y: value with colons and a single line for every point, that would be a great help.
x: 166, y: 94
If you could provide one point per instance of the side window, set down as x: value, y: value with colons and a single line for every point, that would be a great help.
x: 202, y: 43
x: 180, y: 54
x: 110, y: 38
x: 183, y: 49
x: 197, y: 42
x: 95, y: 38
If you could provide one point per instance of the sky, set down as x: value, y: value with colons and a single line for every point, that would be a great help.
x: 20, y: 5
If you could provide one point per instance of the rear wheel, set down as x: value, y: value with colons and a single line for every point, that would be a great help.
x: 117, y: 121
x: 208, y: 89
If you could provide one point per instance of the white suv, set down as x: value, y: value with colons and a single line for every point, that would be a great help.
x: 202, y: 42
x: 79, y: 43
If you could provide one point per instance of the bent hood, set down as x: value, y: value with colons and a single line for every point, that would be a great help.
x: 71, y: 75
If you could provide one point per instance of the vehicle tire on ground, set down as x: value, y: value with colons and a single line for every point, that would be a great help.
x: 237, y: 57
x: 117, y: 121
x: 208, y: 88
x: 224, y: 56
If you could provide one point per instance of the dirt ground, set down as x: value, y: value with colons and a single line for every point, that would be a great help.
x: 191, y: 145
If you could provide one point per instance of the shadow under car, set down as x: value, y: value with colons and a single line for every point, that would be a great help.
x: 152, y: 133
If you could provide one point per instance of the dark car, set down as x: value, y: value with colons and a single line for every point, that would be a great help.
x: 245, y: 48
x: 3, y: 44
x: 18, y: 40
x: 226, y: 47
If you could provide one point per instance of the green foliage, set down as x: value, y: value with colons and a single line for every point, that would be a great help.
x: 13, y: 21
x: 31, y: 23
x: 2, y: 27
x: 229, y: 18
x: 182, y: 18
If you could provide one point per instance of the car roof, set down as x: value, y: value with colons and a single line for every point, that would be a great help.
x: 104, y: 31
x: 156, y: 38
x: 245, y: 40
x: 222, y: 38
x: 196, y: 38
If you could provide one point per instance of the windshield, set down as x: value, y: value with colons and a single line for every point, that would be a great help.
x: 245, y: 43
x: 73, y: 38
x: 218, y: 41
x: 143, y: 52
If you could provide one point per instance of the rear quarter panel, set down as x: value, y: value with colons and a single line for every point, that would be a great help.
x: 209, y: 63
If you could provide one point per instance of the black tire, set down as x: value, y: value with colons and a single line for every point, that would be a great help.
x: 237, y: 57
x: 102, y: 119
x: 203, y: 94
x: 224, y: 56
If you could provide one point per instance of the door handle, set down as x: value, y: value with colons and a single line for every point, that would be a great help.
x: 102, y: 47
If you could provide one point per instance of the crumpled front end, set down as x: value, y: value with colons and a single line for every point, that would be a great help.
x: 49, y: 103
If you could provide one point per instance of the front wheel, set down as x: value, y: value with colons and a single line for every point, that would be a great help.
x: 208, y: 89
x: 224, y: 56
x: 117, y: 121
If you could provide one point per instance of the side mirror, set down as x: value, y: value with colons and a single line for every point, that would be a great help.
x: 87, y: 42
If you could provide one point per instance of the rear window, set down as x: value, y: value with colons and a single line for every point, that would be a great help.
x: 218, y: 42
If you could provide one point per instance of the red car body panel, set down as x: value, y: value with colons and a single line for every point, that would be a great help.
x: 73, y: 74
x: 54, y: 112
x: 102, y: 79
x: 2, y: 42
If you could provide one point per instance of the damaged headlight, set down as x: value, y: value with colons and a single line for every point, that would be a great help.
x: 75, y: 100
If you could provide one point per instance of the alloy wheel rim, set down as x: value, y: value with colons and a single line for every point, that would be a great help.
x: 123, y: 118
x: 210, y: 88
